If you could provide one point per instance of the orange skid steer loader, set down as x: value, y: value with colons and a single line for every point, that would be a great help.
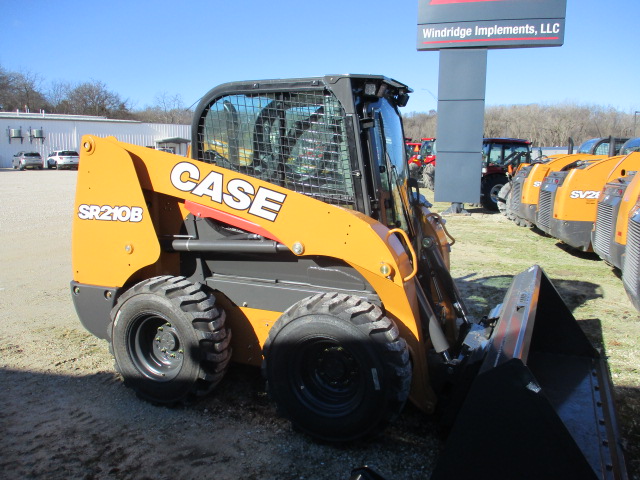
x: 631, y: 257
x: 568, y: 202
x: 616, y: 236
x: 294, y: 240
x: 525, y: 190
x: 609, y: 235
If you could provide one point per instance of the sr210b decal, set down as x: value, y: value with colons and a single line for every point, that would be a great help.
x: 109, y: 213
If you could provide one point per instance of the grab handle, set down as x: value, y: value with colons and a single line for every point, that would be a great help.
x: 414, y: 258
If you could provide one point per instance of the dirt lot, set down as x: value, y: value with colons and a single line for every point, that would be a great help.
x: 65, y: 414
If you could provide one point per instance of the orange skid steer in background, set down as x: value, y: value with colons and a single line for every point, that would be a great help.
x: 616, y: 236
x: 569, y: 198
x: 294, y: 239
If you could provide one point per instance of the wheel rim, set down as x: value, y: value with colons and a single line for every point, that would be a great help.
x: 155, y: 347
x: 494, y: 193
x: 327, y: 378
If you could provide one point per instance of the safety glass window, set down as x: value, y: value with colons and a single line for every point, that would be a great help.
x: 296, y: 140
x: 390, y: 153
x: 492, y: 154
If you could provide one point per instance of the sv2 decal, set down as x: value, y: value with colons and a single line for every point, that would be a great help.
x: 585, y: 194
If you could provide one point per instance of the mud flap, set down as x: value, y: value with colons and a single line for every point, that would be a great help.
x: 541, y: 406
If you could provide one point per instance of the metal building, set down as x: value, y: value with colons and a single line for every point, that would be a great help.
x: 45, y: 132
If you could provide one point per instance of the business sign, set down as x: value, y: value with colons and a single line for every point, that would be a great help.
x: 490, y: 23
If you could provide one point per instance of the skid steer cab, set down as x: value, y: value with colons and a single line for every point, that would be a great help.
x: 294, y: 240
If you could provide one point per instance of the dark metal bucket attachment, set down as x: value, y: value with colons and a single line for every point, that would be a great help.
x: 541, y: 406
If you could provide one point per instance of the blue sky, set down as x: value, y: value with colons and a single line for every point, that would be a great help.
x: 141, y: 48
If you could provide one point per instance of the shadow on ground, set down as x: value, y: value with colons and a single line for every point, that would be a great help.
x: 482, y: 294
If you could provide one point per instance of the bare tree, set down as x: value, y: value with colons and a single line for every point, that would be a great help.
x: 58, y: 97
x: 93, y: 98
x: 167, y: 109
x: 420, y: 125
x: 5, y: 86
x: 29, y: 89
x: 21, y: 91
x: 544, y: 125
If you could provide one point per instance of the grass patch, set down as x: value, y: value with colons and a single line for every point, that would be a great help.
x: 490, y: 250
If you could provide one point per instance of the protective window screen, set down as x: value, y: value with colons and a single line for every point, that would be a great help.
x: 296, y: 140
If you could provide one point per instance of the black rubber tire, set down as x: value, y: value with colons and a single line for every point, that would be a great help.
x: 336, y: 367
x: 429, y: 176
x: 504, y: 197
x: 169, y: 340
x: 521, y: 222
x: 490, y: 187
x: 415, y: 171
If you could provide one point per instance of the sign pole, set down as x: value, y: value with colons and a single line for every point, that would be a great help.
x: 463, y: 30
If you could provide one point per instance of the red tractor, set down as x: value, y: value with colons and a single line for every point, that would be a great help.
x: 422, y: 166
x: 497, y: 155
x: 412, y: 148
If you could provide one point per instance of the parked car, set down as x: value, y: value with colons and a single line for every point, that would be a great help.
x: 61, y: 159
x: 22, y: 160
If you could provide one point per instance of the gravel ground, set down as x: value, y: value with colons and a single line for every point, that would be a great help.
x: 64, y: 412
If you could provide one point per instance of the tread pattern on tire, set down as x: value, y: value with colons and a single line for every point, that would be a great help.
x: 487, y: 184
x: 429, y: 176
x: 504, y: 197
x: 206, y: 318
x: 369, y: 319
